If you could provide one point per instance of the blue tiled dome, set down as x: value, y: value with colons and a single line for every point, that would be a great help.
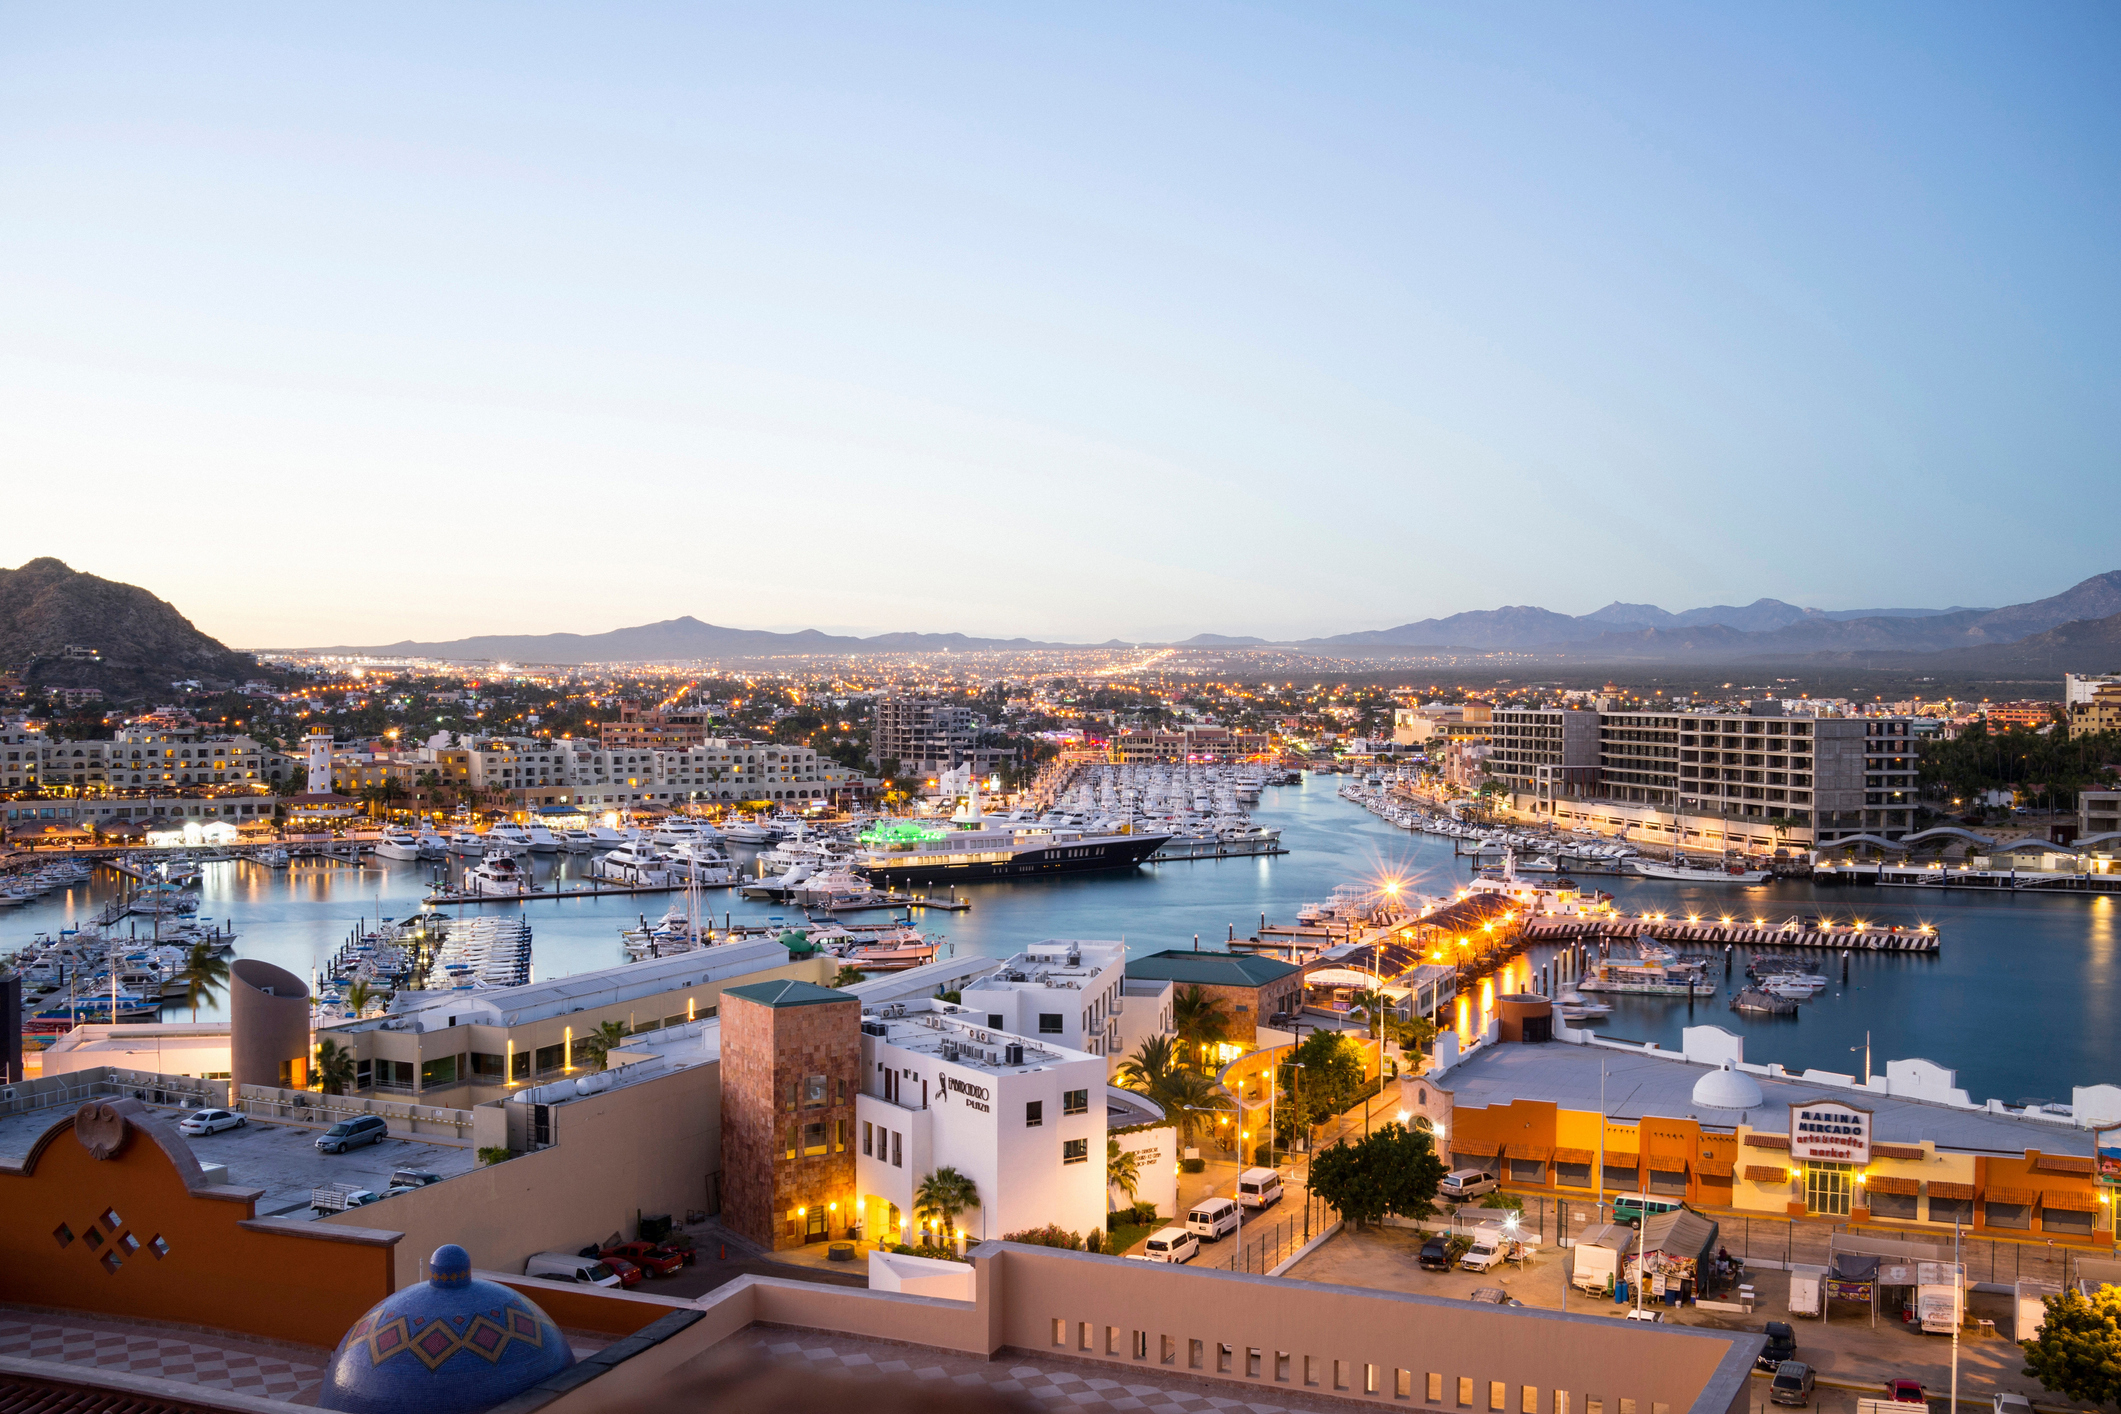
x: 447, y: 1346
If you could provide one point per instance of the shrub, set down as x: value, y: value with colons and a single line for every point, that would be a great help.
x: 1263, y: 1156
x: 1191, y: 1165
x: 1093, y: 1241
x: 1051, y: 1235
x: 1144, y: 1212
x: 495, y: 1153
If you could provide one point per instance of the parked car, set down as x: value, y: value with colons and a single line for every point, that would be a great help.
x: 2012, y: 1404
x: 210, y: 1122
x: 629, y: 1274
x: 1213, y: 1219
x: 571, y: 1266
x: 1495, y: 1295
x: 649, y: 1257
x: 1781, y: 1346
x: 1461, y: 1184
x: 1792, y: 1384
x: 1436, y: 1254
x: 1171, y: 1244
x: 1644, y: 1313
x: 1259, y: 1188
x: 1906, y: 1392
x: 353, y: 1133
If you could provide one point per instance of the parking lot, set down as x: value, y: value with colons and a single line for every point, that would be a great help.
x: 1853, y: 1359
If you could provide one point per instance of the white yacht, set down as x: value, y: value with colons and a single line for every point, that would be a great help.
x: 684, y: 830
x: 748, y: 832
x: 543, y: 839
x: 575, y: 841
x: 497, y: 873
x: 635, y: 863
x: 398, y: 844
x: 513, y: 837
x: 465, y: 840
x: 431, y: 845
x: 701, y: 862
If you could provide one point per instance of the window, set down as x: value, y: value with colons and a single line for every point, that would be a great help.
x: 1465, y: 1391
x: 898, y: 1150
x: 1075, y: 1151
x: 1572, y: 1175
x: 487, y: 1064
x: 521, y: 1070
x: 2072, y: 1220
x: 1528, y: 1171
x: 440, y: 1071
x: 2017, y: 1215
x: 1892, y: 1205
x: 1034, y: 1114
x: 1075, y: 1102
x: 1049, y: 1023
x: 551, y: 1058
x: 1498, y: 1395
x: 1435, y: 1391
x: 868, y: 1137
x: 816, y: 1091
x: 1827, y: 1188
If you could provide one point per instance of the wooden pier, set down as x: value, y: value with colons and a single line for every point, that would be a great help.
x: 1795, y: 933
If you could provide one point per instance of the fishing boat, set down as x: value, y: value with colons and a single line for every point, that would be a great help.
x: 1697, y: 873
x: 1646, y: 978
x: 1754, y: 1001
x: 892, y: 952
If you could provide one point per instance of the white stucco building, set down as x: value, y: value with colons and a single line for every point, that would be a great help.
x: 1022, y: 1116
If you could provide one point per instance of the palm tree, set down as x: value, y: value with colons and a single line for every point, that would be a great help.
x: 335, y: 1067
x: 1122, y: 1171
x: 597, y: 1046
x: 360, y: 997
x: 1188, y: 1097
x: 1200, y: 1019
x: 942, y: 1195
x: 1376, y: 1006
x: 204, y: 976
x: 1147, y: 1067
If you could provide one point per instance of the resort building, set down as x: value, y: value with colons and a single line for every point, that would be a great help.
x: 1064, y: 993
x: 1253, y: 990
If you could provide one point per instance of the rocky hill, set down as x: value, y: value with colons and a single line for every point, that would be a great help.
x: 142, y: 643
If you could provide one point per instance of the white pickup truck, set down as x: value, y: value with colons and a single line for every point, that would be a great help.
x: 1490, y: 1246
x: 338, y: 1197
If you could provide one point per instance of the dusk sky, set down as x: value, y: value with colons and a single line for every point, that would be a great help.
x: 358, y: 323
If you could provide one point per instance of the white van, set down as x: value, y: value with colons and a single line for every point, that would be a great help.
x: 1171, y: 1244
x: 566, y: 1266
x: 1212, y: 1219
x: 1259, y: 1188
x: 1461, y: 1184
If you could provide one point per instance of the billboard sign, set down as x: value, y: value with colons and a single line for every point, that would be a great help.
x: 1830, y: 1131
x: 2106, y: 1157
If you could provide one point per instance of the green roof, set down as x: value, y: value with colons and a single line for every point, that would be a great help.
x: 1211, y: 969
x: 786, y: 993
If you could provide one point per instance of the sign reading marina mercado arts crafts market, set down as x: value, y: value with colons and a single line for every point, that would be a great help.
x: 1830, y: 1132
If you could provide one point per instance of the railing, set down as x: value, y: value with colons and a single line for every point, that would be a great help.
x: 73, y: 1089
x: 1265, y: 1242
x: 310, y: 1107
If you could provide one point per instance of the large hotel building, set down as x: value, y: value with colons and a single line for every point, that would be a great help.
x: 1829, y: 777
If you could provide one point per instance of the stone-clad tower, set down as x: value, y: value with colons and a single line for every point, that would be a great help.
x: 791, y: 1065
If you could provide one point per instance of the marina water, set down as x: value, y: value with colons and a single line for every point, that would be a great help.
x: 2022, y: 999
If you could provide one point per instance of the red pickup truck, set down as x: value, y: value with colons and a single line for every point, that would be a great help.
x: 648, y: 1256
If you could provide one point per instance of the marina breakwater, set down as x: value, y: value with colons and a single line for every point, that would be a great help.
x: 1794, y: 934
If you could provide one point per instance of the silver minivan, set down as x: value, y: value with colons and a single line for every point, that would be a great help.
x: 567, y: 1266
x: 1461, y: 1184
x: 1212, y: 1219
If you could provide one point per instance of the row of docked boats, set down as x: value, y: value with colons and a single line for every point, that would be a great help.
x: 29, y: 883
x: 89, y: 975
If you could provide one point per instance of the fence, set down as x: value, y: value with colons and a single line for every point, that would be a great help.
x: 309, y: 1107
x: 1779, y: 1242
x: 1265, y: 1242
x: 73, y: 1089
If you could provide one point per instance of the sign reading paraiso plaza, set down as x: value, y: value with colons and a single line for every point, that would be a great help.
x: 1831, y: 1133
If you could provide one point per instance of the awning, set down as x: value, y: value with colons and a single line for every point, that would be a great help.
x: 1541, y: 1152
x: 1940, y: 1189
x: 2071, y: 1200
x: 2023, y: 1197
x: 1714, y: 1167
x: 1476, y: 1148
x: 1667, y: 1163
x: 1681, y: 1233
x: 1889, y: 1184
x: 1622, y: 1161
x: 1767, y: 1141
x: 1760, y: 1173
x: 1896, y: 1151
x: 2061, y: 1163
x: 1575, y: 1156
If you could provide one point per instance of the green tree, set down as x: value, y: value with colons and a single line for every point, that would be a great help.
x: 848, y: 976
x: 1122, y: 1171
x: 335, y: 1067
x: 205, y: 977
x: 1330, y: 1075
x: 1201, y: 1021
x: 1189, y: 1099
x: 1392, y: 1171
x: 942, y: 1195
x: 1152, y: 1062
x: 2077, y: 1353
x: 595, y: 1049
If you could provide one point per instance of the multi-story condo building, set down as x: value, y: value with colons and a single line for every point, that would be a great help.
x: 1834, y: 776
x: 137, y: 759
x: 1194, y: 743
x: 1065, y: 993
x: 530, y: 772
x: 929, y: 735
x: 657, y: 727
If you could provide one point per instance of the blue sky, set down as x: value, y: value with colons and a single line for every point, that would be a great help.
x: 1076, y: 322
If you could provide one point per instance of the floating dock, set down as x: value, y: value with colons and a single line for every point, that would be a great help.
x: 1795, y: 933
x: 1213, y: 849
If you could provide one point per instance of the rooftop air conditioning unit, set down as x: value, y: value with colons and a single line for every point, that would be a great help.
x: 874, y: 1028
x: 1013, y: 1053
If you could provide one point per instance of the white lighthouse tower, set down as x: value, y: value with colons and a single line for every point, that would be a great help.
x: 319, y: 746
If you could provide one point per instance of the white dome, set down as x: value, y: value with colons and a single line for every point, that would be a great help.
x: 1727, y: 1089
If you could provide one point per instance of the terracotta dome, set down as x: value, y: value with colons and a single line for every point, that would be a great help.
x: 450, y: 1345
x: 1728, y: 1089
